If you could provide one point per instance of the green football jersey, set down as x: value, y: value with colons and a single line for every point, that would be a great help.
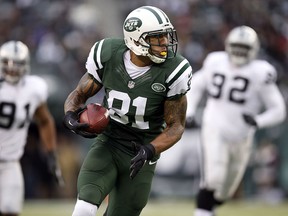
x: 136, y: 106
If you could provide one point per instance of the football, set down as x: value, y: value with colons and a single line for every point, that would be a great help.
x: 96, y: 116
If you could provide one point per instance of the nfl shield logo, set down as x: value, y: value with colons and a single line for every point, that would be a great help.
x: 131, y: 84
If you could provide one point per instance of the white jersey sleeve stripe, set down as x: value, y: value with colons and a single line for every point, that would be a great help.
x: 179, y: 67
x: 180, y: 86
x: 93, y: 61
x: 187, y: 71
x: 98, y: 55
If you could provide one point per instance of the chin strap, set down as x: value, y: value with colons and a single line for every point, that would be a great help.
x: 156, y: 59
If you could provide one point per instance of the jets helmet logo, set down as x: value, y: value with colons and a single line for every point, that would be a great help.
x: 132, y: 24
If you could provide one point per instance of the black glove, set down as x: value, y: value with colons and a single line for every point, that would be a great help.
x: 249, y: 120
x: 143, y: 153
x: 71, y: 121
x: 54, y: 168
x: 191, y: 123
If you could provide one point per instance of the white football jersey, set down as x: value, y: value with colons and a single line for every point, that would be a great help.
x: 232, y: 91
x: 17, y: 107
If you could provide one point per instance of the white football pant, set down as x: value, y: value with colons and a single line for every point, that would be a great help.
x: 224, y: 161
x: 11, y: 187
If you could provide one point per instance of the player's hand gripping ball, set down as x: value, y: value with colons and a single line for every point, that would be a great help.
x: 96, y: 116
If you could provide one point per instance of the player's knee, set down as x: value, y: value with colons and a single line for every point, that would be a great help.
x: 142, y: 194
x: 92, y: 194
x: 83, y: 208
x: 139, y: 203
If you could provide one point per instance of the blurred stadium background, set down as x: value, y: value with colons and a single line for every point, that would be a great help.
x: 60, y: 34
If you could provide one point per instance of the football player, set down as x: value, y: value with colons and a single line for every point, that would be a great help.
x: 241, y: 97
x: 22, y: 98
x: 145, y: 83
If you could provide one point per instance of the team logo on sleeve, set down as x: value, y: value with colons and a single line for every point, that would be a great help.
x: 132, y: 24
x: 158, y: 87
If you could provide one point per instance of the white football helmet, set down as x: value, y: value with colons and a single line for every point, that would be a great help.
x: 149, y: 21
x: 242, y: 45
x: 14, y: 61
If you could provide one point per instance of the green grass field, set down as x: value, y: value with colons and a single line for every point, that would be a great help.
x: 160, y: 207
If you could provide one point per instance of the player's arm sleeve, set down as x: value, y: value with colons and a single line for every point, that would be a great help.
x: 196, y: 92
x: 94, y: 62
x: 179, y: 81
x: 275, y: 107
